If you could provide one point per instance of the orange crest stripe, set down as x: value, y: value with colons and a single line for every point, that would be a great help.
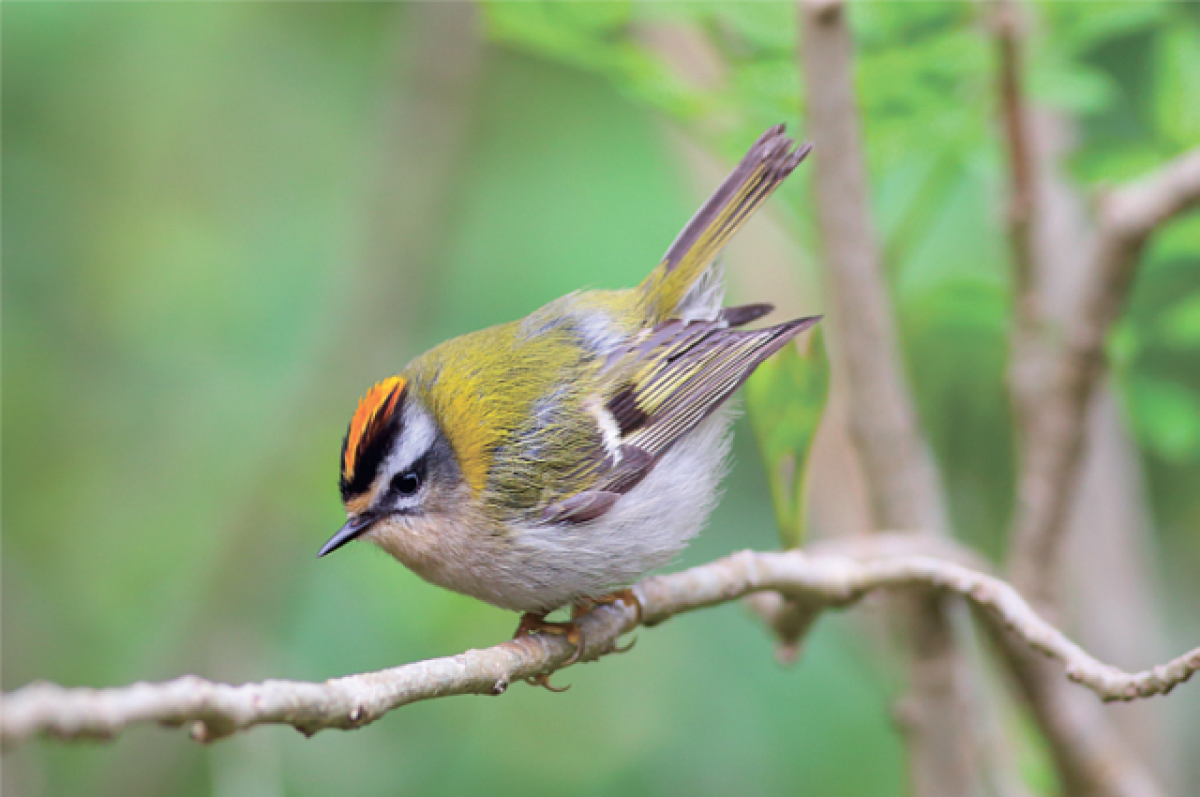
x: 373, y: 410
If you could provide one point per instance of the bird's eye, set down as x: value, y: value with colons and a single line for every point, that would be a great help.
x: 406, y: 483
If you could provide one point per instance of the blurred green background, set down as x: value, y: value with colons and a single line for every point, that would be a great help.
x: 222, y: 222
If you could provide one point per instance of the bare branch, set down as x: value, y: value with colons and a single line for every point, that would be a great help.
x: 941, y: 728
x: 1090, y: 756
x: 904, y: 487
x: 1053, y: 435
x: 1131, y: 214
x: 1092, y: 759
x: 218, y: 710
x: 1030, y: 353
x: 1021, y: 152
x: 788, y: 619
x: 1051, y: 405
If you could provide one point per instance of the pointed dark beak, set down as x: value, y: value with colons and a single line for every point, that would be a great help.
x: 355, y: 527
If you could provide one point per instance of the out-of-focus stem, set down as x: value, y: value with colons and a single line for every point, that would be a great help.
x: 902, y: 483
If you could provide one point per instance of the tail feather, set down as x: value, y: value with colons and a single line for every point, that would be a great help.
x: 770, y: 160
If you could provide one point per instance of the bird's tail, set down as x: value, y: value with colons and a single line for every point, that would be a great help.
x: 769, y: 161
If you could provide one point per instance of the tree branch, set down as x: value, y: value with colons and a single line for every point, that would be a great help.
x: 1052, y: 387
x: 942, y: 726
x: 1021, y: 153
x: 1030, y: 353
x: 904, y: 486
x: 1053, y: 433
x: 1091, y: 757
x: 826, y: 581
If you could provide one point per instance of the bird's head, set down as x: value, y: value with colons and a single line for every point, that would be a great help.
x: 396, y: 465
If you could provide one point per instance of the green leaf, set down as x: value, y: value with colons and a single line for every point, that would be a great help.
x: 1166, y: 416
x: 1123, y: 346
x: 1061, y: 82
x: 1178, y: 67
x: 1081, y: 27
x: 596, y: 37
x: 785, y: 399
x: 1179, y: 240
x: 1181, y: 324
x: 767, y: 27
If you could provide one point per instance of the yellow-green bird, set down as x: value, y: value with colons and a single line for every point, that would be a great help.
x: 552, y: 460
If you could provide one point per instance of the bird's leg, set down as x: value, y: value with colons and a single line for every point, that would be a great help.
x: 626, y: 596
x: 532, y: 623
x: 538, y: 624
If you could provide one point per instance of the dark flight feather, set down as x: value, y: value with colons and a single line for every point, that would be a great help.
x: 770, y: 160
x: 678, y: 376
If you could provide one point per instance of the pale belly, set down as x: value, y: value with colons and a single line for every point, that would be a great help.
x: 541, y: 568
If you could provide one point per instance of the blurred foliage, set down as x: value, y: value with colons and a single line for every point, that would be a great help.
x: 186, y: 190
x: 785, y: 399
x: 1124, y: 72
x: 185, y: 199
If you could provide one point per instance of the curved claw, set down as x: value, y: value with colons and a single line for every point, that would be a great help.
x: 538, y: 624
x: 576, y: 639
x: 625, y: 648
x: 543, y: 680
x: 625, y: 596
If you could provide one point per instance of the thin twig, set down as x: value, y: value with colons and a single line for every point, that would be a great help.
x: 1029, y: 347
x: 1021, y: 152
x: 218, y: 710
x: 1054, y: 434
x: 1091, y: 757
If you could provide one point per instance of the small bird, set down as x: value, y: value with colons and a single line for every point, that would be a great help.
x: 554, y: 460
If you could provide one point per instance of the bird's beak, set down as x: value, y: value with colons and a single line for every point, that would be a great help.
x: 354, y: 528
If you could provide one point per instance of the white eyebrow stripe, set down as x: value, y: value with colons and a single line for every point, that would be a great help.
x: 418, y: 436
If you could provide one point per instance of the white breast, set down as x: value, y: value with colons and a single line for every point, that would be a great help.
x: 645, y: 529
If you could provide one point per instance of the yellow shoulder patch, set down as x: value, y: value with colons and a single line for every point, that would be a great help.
x: 373, y: 411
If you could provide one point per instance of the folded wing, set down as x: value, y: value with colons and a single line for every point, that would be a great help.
x: 666, y: 385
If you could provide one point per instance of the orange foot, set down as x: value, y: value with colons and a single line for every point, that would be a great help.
x: 625, y: 596
x: 538, y: 624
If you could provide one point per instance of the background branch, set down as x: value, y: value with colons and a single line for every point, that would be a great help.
x: 828, y: 581
x: 1018, y: 137
x: 1051, y: 388
x: 903, y: 487
x: 1053, y: 429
